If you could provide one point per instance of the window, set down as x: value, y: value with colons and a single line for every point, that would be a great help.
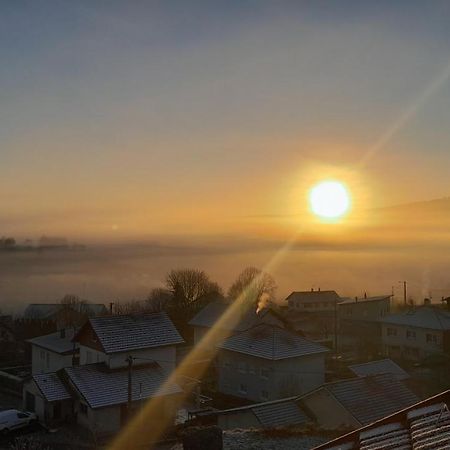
x: 264, y: 395
x: 251, y: 370
x: 243, y: 388
x: 265, y: 374
x: 242, y: 367
x: 432, y: 338
x: 410, y: 334
x: 83, y: 409
x: 392, y: 332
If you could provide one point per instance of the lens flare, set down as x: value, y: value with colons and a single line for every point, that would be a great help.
x: 329, y: 199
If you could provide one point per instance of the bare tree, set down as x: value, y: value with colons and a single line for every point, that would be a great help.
x: 254, y: 287
x: 191, y: 289
x: 158, y: 299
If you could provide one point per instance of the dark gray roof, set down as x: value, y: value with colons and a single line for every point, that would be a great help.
x: 425, y: 425
x: 211, y: 313
x: 102, y: 387
x: 271, y: 342
x: 345, y: 301
x: 278, y: 414
x: 378, y: 367
x: 132, y: 332
x: 371, y: 398
x: 51, y: 386
x: 421, y: 317
x: 54, y: 342
x: 47, y: 310
x: 270, y: 414
x: 314, y: 296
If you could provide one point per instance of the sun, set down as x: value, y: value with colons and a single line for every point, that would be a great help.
x: 329, y: 199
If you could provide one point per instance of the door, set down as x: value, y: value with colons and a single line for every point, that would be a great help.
x: 30, y: 402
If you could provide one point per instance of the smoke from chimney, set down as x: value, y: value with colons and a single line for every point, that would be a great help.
x: 262, y: 302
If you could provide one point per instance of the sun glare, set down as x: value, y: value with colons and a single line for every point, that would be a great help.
x: 329, y: 199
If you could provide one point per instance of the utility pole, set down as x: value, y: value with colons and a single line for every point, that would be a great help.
x: 404, y: 291
x: 129, y: 360
x: 335, y: 328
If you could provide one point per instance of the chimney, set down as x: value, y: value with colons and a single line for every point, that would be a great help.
x: 319, y: 289
x: 356, y: 299
x: 62, y: 333
x: 312, y: 289
x: 426, y: 302
x: 365, y: 294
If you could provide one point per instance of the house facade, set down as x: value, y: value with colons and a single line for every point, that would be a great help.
x: 416, y: 334
x: 267, y: 363
x: 313, y: 301
x: 360, y: 324
x: 54, y: 351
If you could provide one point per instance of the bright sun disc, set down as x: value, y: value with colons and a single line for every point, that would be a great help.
x: 329, y: 199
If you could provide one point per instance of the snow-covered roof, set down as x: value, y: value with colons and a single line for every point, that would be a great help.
x: 132, y: 332
x: 100, y: 386
x: 424, y: 425
x: 422, y: 317
x: 378, y: 367
x: 55, y: 343
x: 51, y: 387
x: 271, y: 342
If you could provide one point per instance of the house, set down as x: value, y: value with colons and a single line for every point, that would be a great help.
x: 48, y: 396
x: 111, y: 348
x: 63, y: 315
x: 267, y: 362
x: 54, y: 351
x: 314, y: 314
x: 355, y: 402
x: 313, y: 301
x: 112, y: 339
x: 209, y: 316
x: 416, y: 334
x: 100, y: 394
x: 379, y: 367
x: 276, y: 413
x: 423, y: 425
x: 360, y: 324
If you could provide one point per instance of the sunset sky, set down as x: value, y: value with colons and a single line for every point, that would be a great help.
x: 130, y: 119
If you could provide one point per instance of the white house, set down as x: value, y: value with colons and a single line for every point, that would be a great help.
x: 54, y: 351
x: 98, y: 387
x: 313, y: 301
x: 210, y: 315
x: 267, y: 362
x: 416, y: 334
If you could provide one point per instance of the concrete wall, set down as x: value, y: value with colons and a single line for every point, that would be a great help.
x: 260, y: 380
x: 90, y: 356
x: 39, y: 403
x: 295, y: 376
x: 164, y: 356
x: 43, y: 409
x: 327, y: 411
x: 413, y: 347
x: 45, y: 361
x: 365, y: 310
